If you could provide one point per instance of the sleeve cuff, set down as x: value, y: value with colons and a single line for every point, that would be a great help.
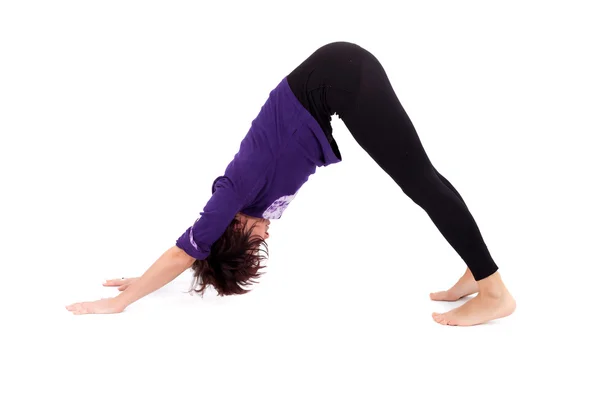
x: 191, y: 248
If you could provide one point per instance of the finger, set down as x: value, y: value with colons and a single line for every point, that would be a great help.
x: 86, y: 308
x: 116, y: 282
x: 73, y: 306
x: 76, y: 309
x: 113, y: 282
x: 123, y: 287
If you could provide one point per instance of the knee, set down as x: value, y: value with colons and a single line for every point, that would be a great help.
x: 414, y: 191
x: 419, y: 188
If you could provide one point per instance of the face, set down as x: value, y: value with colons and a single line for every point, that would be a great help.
x: 261, y: 226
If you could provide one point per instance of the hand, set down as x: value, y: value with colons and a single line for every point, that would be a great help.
x: 102, y: 306
x: 122, y: 283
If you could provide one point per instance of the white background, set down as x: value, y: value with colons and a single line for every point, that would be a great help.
x: 116, y: 116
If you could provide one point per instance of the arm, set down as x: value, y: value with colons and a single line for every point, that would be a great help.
x: 169, y: 265
x: 193, y: 244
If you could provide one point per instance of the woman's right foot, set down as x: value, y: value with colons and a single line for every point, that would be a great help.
x: 492, y: 302
x: 465, y: 286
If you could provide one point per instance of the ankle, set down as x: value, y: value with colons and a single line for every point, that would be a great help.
x: 492, y: 294
x: 468, y: 274
x: 492, y: 286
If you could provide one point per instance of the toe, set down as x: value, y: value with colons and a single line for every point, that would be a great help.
x: 440, y: 318
x: 437, y: 295
x: 453, y: 322
x: 446, y: 295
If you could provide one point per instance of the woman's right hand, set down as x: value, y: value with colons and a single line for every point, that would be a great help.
x: 122, y: 283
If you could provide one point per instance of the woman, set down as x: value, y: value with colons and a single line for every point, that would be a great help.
x: 288, y: 140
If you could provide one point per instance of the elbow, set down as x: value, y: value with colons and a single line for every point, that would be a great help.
x: 185, y: 259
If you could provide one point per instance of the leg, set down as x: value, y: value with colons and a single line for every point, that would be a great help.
x: 382, y: 128
x: 466, y: 284
x: 449, y: 185
x: 380, y: 125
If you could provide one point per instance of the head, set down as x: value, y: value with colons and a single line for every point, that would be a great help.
x: 235, y: 258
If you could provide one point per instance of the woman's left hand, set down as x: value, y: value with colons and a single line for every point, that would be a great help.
x: 102, y: 306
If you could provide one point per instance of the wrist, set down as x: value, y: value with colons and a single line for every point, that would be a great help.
x: 121, y: 301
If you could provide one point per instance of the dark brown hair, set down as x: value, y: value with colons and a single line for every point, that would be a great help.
x: 234, y: 262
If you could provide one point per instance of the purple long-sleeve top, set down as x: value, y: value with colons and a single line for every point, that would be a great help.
x: 282, y: 149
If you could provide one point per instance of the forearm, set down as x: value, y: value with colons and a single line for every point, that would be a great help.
x: 169, y: 265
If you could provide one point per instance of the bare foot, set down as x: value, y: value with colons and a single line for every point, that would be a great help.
x: 465, y: 286
x: 493, y: 301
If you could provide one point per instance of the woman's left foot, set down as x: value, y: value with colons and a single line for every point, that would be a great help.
x: 493, y: 302
x: 465, y: 286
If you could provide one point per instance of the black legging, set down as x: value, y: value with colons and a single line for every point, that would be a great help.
x: 345, y: 79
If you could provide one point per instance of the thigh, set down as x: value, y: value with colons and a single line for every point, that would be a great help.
x: 326, y: 83
x: 379, y: 123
